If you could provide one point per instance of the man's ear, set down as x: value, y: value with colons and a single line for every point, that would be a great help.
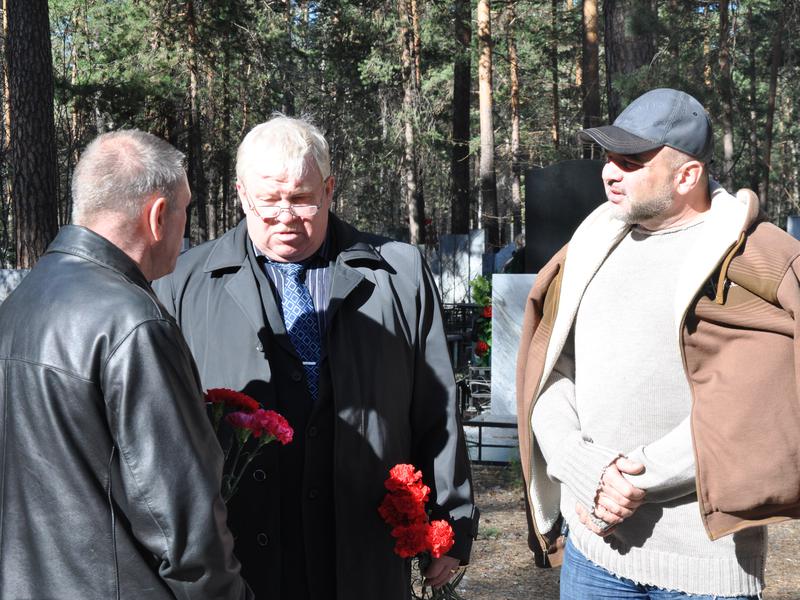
x: 155, y: 212
x: 689, y: 176
x: 330, y: 184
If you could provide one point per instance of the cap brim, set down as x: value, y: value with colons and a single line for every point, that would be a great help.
x: 617, y: 140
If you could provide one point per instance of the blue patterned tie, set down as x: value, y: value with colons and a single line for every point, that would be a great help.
x: 301, y: 321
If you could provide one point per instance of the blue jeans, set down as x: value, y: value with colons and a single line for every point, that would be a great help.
x: 581, y: 579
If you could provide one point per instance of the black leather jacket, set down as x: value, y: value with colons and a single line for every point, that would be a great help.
x: 109, y: 468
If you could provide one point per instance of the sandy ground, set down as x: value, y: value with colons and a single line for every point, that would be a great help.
x: 502, y: 566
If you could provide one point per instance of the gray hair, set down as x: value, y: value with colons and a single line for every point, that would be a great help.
x: 288, y: 140
x: 119, y: 171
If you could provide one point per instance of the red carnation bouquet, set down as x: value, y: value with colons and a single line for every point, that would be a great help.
x: 403, y: 509
x: 248, y: 420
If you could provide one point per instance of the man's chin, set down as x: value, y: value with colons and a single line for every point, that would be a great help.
x: 288, y: 253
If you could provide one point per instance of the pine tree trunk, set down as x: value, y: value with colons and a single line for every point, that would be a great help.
x: 32, y: 131
x: 755, y: 163
x: 230, y: 207
x: 707, y: 69
x: 288, y: 70
x: 626, y: 48
x: 416, y: 230
x: 775, y: 61
x: 487, y: 173
x: 726, y: 94
x: 516, y: 193
x: 462, y: 89
x: 555, y: 128
x: 6, y: 233
x: 590, y: 69
x: 419, y: 195
x: 196, y: 174
x: 417, y: 45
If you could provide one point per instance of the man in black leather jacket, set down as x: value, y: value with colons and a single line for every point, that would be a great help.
x: 109, y: 468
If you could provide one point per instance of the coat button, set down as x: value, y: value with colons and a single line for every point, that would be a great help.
x: 262, y: 539
x: 296, y: 376
x: 312, y: 431
x: 259, y: 475
x: 259, y: 347
x: 313, y: 493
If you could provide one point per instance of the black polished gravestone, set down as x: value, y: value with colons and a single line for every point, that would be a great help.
x: 557, y: 199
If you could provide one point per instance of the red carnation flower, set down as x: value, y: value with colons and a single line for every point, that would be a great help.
x: 440, y: 538
x: 411, y: 540
x: 402, y: 510
x: 481, y: 348
x: 404, y: 479
x: 231, y: 399
x: 487, y: 311
x: 402, y: 475
x: 273, y: 424
x: 240, y: 420
x: 247, y: 420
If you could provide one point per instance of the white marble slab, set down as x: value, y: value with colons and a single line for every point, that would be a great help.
x: 509, y: 292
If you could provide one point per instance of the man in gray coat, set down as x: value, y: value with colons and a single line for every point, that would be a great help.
x: 361, y: 372
x: 109, y: 468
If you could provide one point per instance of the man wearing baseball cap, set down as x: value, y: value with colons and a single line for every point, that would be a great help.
x: 657, y: 393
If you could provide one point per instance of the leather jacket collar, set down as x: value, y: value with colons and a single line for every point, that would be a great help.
x: 85, y: 243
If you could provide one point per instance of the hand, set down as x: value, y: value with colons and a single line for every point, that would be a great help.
x: 441, y: 570
x: 617, y: 499
x: 594, y: 524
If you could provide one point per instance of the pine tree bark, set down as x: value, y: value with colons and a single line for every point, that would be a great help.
x: 462, y: 90
x: 195, y: 172
x: 516, y: 193
x: 32, y: 128
x: 555, y: 127
x: 288, y: 69
x: 417, y: 44
x: 628, y: 47
x: 590, y: 70
x: 419, y: 195
x: 416, y: 214
x: 7, y: 244
x: 726, y: 94
x: 491, y: 218
x: 755, y: 163
x: 776, y: 53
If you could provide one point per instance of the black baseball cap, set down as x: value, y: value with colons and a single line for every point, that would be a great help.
x: 661, y: 117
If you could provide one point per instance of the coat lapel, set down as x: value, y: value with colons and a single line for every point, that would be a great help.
x: 348, y: 251
x: 230, y: 254
x: 345, y: 280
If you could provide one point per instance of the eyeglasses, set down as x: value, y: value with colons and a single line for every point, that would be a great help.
x: 304, y: 211
x: 272, y: 211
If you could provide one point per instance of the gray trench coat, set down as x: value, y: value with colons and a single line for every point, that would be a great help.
x: 387, y: 382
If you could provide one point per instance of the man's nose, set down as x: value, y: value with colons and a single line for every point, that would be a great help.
x: 286, y: 215
x: 611, y: 172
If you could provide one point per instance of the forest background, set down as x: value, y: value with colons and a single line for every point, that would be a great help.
x: 434, y: 109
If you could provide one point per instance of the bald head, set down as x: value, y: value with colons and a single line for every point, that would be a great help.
x: 120, y: 171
